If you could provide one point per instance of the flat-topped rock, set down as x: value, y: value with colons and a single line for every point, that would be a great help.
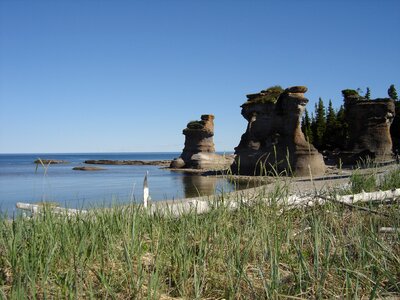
x: 50, y: 161
x: 297, y: 89
x: 85, y: 168
x: 128, y: 162
x: 269, y: 95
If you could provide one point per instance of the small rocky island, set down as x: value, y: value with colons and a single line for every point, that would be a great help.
x: 273, y: 142
x: 50, y: 161
x: 199, y: 150
x: 87, y: 168
x: 128, y: 162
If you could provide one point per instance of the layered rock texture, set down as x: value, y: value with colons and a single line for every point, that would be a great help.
x: 199, y: 150
x: 273, y: 142
x: 395, y: 129
x: 369, y: 128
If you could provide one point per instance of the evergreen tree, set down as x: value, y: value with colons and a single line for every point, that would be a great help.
x: 331, y: 127
x: 313, y: 125
x: 341, y: 136
x: 306, y: 127
x: 320, y: 125
x: 392, y: 92
x: 368, y: 94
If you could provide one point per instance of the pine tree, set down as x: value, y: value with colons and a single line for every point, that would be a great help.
x: 368, y: 94
x: 306, y: 127
x: 313, y: 125
x: 331, y: 127
x: 341, y: 136
x: 320, y: 125
x: 392, y: 92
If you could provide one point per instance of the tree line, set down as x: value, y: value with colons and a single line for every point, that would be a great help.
x: 327, y: 128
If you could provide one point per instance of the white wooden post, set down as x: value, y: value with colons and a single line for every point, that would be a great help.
x: 146, y: 194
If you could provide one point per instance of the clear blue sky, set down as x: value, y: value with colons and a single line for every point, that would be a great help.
x: 112, y: 76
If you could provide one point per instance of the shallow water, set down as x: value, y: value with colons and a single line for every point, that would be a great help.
x: 22, y: 181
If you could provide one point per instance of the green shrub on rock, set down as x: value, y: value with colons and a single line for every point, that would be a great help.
x: 195, y: 125
x: 348, y: 92
x: 270, y: 95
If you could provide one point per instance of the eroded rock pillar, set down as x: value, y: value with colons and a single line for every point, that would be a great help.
x: 273, y: 142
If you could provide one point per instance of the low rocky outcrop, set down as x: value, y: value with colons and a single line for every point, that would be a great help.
x: 128, y: 162
x: 199, y: 150
x: 273, y: 142
x: 369, y: 127
x: 50, y: 161
x: 85, y: 168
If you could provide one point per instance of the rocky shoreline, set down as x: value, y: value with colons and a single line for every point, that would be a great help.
x: 86, y: 168
x: 50, y: 161
x: 163, y: 163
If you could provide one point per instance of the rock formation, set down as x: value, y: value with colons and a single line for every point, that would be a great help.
x: 395, y: 129
x: 199, y: 151
x: 50, y: 161
x: 162, y: 163
x: 86, y: 168
x: 369, y: 127
x: 273, y: 142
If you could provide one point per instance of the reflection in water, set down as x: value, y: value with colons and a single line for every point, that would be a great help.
x: 197, y: 185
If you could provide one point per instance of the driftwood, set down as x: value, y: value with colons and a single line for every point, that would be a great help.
x: 204, y: 204
x: 35, y: 209
x: 389, y: 230
x: 379, y: 196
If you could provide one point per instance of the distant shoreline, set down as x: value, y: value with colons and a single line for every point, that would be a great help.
x: 128, y: 162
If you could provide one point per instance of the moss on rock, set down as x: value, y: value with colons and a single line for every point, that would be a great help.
x: 269, y: 95
x: 195, y: 125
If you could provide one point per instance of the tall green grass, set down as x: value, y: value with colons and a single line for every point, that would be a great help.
x: 255, y: 252
x: 369, y: 181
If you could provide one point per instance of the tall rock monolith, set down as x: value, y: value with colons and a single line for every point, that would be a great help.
x: 273, y: 142
x: 369, y: 127
x: 199, y: 150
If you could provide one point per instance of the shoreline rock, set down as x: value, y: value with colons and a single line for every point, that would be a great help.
x: 86, y: 168
x: 128, y: 162
x: 50, y: 161
x: 199, y: 150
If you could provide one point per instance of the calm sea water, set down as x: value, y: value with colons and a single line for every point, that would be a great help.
x: 21, y: 182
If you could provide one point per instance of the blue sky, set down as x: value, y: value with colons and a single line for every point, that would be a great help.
x: 127, y: 76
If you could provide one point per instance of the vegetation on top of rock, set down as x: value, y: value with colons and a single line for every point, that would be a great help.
x: 348, y: 92
x: 195, y: 125
x: 297, y: 89
x: 269, y: 95
x: 207, y: 117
